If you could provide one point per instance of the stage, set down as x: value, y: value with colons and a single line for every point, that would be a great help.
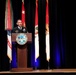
x: 54, y: 71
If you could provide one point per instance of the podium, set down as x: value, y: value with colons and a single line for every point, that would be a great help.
x: 22, y: 53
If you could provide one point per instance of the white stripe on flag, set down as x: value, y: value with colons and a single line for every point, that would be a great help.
x: 36, y: 43
x: 36, y: 46
x: 47, y: 47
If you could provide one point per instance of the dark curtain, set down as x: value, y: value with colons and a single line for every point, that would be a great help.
x: 62, y: 17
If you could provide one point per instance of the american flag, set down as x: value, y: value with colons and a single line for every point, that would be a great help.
x: 9, y: 26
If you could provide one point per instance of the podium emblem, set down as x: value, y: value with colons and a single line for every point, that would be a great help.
x: 21, y: 39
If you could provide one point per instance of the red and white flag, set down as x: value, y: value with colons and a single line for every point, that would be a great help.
x: 47, y: 33
x: 23, y: 14
x: 36, y: 33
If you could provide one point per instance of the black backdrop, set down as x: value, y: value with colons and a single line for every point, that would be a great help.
x: 62, y: 22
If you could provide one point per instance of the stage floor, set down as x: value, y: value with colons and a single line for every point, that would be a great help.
x: 43, y: 71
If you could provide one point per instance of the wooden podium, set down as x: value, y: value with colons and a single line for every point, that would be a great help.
x: 22, y: 53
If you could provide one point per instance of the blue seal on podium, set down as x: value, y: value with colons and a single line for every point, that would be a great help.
x: 21, y: 39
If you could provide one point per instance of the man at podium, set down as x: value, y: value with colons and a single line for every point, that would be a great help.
x: 22, y: 38
x: 19, y: 28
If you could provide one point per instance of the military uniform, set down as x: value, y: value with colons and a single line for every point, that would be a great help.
x: 19, y: 29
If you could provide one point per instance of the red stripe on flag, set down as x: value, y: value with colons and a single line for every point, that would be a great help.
x: 9, y: 44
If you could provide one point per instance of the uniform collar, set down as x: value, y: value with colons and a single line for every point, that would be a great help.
x: 19, y: 27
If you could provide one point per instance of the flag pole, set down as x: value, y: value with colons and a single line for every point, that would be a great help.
x: 10, y: 65
x: 35, y: 66
x: 48, y: 65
